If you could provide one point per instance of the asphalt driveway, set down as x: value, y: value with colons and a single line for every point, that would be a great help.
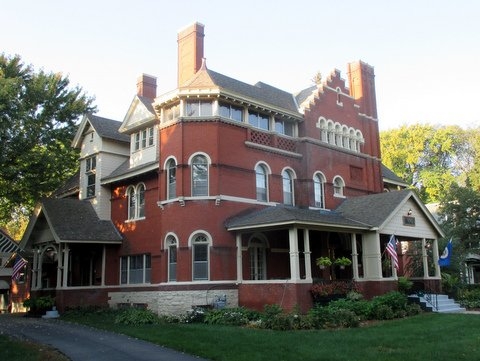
x: 85, y: 343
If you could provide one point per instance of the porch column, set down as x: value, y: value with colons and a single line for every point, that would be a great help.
x: 39, y: 268
x: 424, y: 258
x: 436, y: 257
x: 104, y: 257
x: 372, y: 268
x: 59, y: 266
x: 307, y: 252
x: 66, y: 253
x: 294, y: 259
x: 34, y: 268
x: 353, y: 239
x: 238, y: 238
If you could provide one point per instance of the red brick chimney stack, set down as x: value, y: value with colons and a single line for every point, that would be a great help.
x: 190, y: 51
x: 361, y: 77
x: 147, y: 86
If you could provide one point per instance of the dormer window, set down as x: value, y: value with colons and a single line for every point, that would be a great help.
x: 198, y: 108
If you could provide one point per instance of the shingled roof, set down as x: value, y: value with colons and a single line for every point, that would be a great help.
x: 73, y: 220
x: 281, y: 215
x: 108, y: 128
x: 373, y: 209
x: 7, y: 244
x: 206, y: 78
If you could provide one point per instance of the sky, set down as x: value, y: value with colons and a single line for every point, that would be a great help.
x: 426, y: 54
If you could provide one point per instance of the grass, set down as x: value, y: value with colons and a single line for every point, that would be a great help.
x: 428, y: 336
x: 424, y: 337
x: 13, y: 350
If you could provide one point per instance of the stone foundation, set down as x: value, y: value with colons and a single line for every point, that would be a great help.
x: 172, y: 302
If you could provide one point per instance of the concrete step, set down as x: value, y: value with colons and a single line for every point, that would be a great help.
x: 444, y: 303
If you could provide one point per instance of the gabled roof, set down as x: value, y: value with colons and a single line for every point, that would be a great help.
x: 140, y: 114
x: 72, y: 221
x: 281, y: 215
x: 104, y: 127
x: 7, y: 244
x: 377, y: 209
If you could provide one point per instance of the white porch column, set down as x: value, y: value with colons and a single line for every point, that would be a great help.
x: 353, y: 238
x: 307, y: 252
x: 59, y: 265
x: 104, y: 257
x: 424, y: 258
x: 66, y: 254
x: 238, y: 238
x: 372, y: 267
x: 436, y: 257
x: 294, y: 259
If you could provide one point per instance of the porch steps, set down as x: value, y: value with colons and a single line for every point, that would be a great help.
x: 444, y: 303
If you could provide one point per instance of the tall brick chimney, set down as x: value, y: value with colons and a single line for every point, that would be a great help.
x: 362, y: 87
x: 147, y: 86
x: 190, y: 51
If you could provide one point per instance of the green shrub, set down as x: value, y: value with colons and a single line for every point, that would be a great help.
x: 238, y: 316
x: 361, y: 308
x: 382, y: 312
x: 404, y: 285
x: 136, y: 316
x: 469, y: 297
x: 395, y: 300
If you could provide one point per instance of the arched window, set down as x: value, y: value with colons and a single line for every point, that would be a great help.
x: 322, y: 124
x: 199, y: 176
x: 171, y: 169
x: 319, y: 189
x: 339, y: 97
x: 338, y: 135
x: 136, y: 201
x: 171, y: 245
x: 258, y: 260
x: 200, y: 256
x: 331, y: 133
x: 352, y: 139
x: 141, y: 200
x: 261, y: 182
x: 338, y: 186
x: 287, y: 178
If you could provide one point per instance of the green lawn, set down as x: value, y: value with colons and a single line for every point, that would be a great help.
x: 13, y: 350
x: 424, y: 337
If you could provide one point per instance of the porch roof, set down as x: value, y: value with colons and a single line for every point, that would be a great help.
x: 71, y: 221
x: 284, y: 216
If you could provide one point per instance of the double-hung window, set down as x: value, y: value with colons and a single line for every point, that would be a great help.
x: 198, y: 108
x: 261, y: 183
x: 258, y: 120
x: 90, y: 169
x: 200, y: 247
x: 136, y: 201
x: 135, y: 269
x: 199, y: 176
x: 287, y: 179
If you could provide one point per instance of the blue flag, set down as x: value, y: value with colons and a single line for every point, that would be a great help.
x: 444, y: 259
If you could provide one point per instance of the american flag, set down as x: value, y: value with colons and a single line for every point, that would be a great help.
x: 392, y: 250
x: 18, y: 268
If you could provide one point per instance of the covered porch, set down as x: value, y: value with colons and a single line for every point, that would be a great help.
x: 277, y: 250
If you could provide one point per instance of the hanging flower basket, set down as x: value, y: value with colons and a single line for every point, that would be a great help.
x: 323, y: 262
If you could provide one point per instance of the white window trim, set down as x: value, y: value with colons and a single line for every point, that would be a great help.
x: 191, y: 243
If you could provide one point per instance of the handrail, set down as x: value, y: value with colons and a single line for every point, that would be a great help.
x: 429, y: 294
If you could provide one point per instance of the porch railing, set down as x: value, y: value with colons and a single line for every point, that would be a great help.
x: 430, y: 294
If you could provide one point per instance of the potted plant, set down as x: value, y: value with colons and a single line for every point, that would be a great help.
x: 343, y: 261
x: 323, y: 262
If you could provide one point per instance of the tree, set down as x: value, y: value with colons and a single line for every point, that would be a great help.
x: 459, y: 210
x: 38, y: 119
x: 429, y: 158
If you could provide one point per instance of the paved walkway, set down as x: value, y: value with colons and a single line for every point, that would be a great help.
x: 82, y: 343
